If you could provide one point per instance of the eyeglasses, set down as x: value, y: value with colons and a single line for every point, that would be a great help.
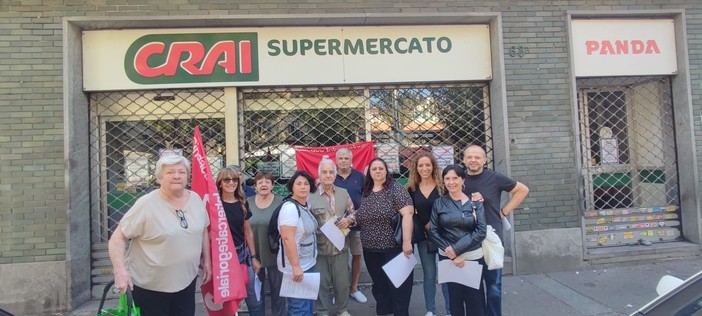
x: 230, y: 180
x: 183, y: 222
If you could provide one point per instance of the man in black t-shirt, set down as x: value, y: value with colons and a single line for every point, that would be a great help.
x: 491, y: 184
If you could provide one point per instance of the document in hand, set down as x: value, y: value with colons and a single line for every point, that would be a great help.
x: 333, y: 233
x: 469, y: 275
x: 399, y: 268
x: 505, y: 224
x: 257, y: 287
x: 307, y: 289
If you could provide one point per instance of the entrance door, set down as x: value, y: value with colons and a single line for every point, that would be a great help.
x: 629, y: 168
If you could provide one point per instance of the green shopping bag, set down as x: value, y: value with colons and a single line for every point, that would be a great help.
x: 126, y: 305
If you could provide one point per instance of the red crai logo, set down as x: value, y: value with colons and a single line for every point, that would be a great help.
x: 622, y: 47
x: 222, y: 54
x: 184, y: 58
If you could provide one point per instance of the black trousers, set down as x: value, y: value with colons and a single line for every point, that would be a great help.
x: 467, y: 301
x: 154, y: 303
x: 389, y: 300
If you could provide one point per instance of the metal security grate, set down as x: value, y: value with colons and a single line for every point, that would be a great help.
x: 402, y: 120
x: 129, y: 131
x: 627, y: 139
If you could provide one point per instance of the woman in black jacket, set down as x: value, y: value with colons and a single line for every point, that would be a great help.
x: 458, y: 227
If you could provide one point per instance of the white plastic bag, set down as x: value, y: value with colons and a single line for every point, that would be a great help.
x: 493, y: 251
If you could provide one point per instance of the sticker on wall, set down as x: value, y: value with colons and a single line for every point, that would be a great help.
x: 628, y: 235
x: 600, y: 221
x: 603, y: 240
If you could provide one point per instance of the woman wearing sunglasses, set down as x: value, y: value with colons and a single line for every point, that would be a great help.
x: 238, y: 214
x: 168, y: 236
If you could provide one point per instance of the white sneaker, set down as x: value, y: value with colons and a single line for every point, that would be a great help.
x: 344, y: 314
x: 358, y: 296
x: 429, y: 314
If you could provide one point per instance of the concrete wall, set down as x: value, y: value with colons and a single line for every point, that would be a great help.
x: 557, y: 249
x: 33, y: 288
x: 35, y: 184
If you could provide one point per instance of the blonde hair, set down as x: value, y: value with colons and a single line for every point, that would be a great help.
x: 239, y: 192
x: 415, y: 179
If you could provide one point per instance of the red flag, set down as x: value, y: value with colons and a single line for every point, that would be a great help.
x: 227, y: 287
x: 308, y: 157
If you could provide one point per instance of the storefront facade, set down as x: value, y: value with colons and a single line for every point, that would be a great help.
x: 592, y: 110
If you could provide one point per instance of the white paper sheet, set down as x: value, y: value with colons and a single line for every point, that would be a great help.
x: 399, y: 268
x: 257, y: 287
x: 307, y: 289
x: 506, y: 226
x: 469, y: 275
x: 333, y: 233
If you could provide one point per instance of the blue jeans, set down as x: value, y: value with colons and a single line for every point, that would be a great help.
x: 429, y: 268
x: 493, y: 291
x: 301, y: 307
x: 256, y: 308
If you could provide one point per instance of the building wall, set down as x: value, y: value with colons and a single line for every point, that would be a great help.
x: 542, y: 154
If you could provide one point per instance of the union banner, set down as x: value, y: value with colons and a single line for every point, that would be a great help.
x: 227, y: 287
x: 308, y: 157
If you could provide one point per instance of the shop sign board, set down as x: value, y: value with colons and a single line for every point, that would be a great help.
x: 623, y: 47
x: 176, y: 58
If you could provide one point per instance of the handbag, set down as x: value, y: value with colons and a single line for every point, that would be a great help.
x: 126, y: 305
x: 493, y: 251
x: 417, y: 230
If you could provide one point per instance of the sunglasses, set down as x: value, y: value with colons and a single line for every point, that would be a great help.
x: 230, y: 180
x: 183, y: 222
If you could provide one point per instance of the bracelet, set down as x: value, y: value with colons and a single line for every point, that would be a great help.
x: 503, y: 213
x: 255, y: 257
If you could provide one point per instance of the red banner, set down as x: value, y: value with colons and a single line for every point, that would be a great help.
x: 308, y: 157
x: 227, y: 287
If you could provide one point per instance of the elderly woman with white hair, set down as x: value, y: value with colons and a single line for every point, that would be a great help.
x: 167, y: 233
x: 332, y: 203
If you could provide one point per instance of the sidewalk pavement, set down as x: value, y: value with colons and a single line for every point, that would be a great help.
x: 604, y: 291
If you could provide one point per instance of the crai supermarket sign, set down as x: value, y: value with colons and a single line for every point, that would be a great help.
x: 284, y: 56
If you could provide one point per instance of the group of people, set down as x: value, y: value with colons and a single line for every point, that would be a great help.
x: 451, y: 207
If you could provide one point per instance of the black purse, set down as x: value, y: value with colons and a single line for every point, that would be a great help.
x: 417, y: 231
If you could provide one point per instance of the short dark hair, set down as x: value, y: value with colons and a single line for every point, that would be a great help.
x: 460, y: 172
x: 306, y: 175
x: 264, y: 175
